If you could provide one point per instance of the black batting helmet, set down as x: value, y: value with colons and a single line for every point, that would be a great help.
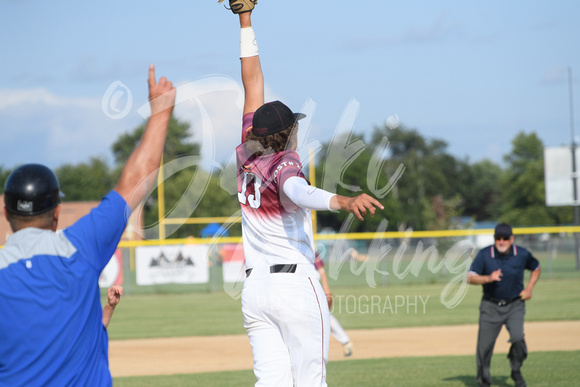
x: 31, y: 189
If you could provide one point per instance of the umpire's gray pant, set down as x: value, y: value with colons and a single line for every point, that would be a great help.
x: 491, y: 319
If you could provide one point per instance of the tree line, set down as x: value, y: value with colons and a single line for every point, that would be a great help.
x: 421, y: 185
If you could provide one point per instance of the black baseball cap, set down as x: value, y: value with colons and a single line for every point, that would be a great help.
x: 503, y: 229
x: 273, y: 117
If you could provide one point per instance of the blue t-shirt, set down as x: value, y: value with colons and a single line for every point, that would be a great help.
x: 51, y: 333
x: 512, y: 267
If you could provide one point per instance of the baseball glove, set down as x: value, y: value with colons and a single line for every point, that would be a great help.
x: 241, y: 6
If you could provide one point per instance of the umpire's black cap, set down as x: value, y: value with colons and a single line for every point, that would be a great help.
x: 31, y: 189
x: 503, y: 230
x: 273, y: 117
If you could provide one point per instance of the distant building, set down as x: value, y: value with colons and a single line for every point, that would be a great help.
x: 69, y: 213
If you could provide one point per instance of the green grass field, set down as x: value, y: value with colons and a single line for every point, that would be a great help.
x: 201, y: 314
x: 549, y: 369
x: 364, y: 299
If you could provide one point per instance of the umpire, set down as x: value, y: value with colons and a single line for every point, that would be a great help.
x: 500, y: 269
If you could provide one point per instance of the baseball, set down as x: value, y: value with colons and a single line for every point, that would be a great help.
x: 393, y: 122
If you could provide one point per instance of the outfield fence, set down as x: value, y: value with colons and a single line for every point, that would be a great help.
x: 375, y: 259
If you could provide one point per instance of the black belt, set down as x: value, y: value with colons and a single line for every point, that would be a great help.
x: 500, y: 302
x: 278, y: 269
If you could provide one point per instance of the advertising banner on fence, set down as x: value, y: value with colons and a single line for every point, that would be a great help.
x: 234, y: 268
x: 558, y: 176
x: 112, y: 274
x: 179, y: 264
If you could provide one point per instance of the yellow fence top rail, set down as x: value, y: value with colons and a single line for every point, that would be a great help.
x: 366, y: 235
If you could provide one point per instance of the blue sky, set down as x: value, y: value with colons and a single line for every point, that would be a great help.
x: 73, y: 74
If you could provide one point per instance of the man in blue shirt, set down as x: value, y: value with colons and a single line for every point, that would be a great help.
x: 51, y: 330
x: 500, y: 269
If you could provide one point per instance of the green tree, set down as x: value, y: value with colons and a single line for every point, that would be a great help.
x: 482, y: 191
x: 431, y: 190
x: 192, y: 192
x: 349, y: 169
x: 85, y: 181
x: 179, y: 155
x: 3, y: 176
x: 523, y: 189
x: 176, y: 143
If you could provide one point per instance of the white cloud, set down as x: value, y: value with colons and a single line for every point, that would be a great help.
x: 17, y: 98
x: 40, y: 126
x: 213, y: 106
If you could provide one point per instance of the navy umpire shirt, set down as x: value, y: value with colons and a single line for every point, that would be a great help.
x: 512, y: 267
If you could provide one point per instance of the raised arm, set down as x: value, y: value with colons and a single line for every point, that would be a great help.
x: 303, y: 195
x: 140, y: 172
x: 252, y: 77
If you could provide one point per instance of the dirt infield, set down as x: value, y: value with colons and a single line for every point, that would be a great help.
x: 184, y: 355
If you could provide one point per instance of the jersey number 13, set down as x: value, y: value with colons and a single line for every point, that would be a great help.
x: 253, y: 199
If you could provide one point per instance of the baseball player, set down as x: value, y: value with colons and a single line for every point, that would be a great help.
x: 335, y: 328
x: 500, y: 269
x: 51, y: 330
x: 283, y: 303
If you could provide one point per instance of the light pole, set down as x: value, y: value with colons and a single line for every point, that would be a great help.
x: 574, y: 177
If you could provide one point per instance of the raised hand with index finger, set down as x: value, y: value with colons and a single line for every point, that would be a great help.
x: 161, y: 94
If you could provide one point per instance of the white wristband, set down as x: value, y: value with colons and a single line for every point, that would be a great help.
x: 248, y: 44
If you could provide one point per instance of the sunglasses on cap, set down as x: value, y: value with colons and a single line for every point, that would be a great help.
x: 501, y: 238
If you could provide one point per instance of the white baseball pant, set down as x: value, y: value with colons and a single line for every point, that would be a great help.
x: 288, y: 324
